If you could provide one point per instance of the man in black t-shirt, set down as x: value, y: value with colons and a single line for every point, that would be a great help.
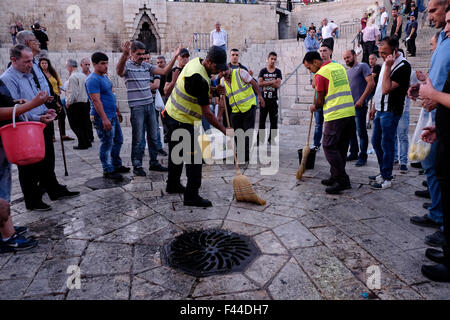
x: 172, y: 77
x: 411, y: 32
x: 269, y: 81
x: 40, y: 36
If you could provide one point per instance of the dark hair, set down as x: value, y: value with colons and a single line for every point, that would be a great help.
x: 299, y: 23
x: 395, y: 8
x: 99, y: 56
x: 147, y: 52
x: 235, y: 50
x: 136, y: 45
x: 326, y: 45
x: 16, y: 51
x: 447, y: 9
x: 51, y: 70
x: 311, y: 56
x: 161, y: 57
x: 391, y: 42
x: 272, y: 53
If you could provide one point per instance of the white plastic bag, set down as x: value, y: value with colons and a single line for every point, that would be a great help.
x: 159, y: 103
x: 419, y: 149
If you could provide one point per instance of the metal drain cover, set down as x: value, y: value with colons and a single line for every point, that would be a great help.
x: 209, y: 252
x: 102, y: 183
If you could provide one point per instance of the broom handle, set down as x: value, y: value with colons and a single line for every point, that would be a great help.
x: 310, y: 120
x: 222, y: 99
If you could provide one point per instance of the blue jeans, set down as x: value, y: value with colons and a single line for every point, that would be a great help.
x: 111, y: 143
x: 144, y: 118
x: 384, y: 128
x: 383, y: 32
x: 401, y: 137
x: 224, y: 47
x: 361, y: 129
x: 318, y: 118
x: 5, y: 176
x: 435, y: 211
x: 159, y: 143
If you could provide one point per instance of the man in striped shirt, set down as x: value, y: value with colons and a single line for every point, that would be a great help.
x: 137, y: 75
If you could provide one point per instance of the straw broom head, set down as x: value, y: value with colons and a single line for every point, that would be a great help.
x: 302, y: 168
x: 243, y: 190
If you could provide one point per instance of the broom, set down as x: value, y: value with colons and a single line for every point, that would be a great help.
x: 243, y: 190
x: 306, y: 149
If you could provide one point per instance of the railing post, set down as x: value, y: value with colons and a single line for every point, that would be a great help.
x: 297, y: 99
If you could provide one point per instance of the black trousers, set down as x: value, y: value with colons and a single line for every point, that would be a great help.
x: 336, y: 139
x: 244, y: 121
x: 80, y: 122
x: 37, y: 177
x: 301, y: 36
x: 368, y: 49
x: 271, y: 109
x: 443, y: 176
x: 411, y: 45
x: 329, y: 42
x: 194, y: 160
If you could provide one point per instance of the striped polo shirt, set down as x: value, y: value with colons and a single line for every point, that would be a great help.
x: 137, y: 80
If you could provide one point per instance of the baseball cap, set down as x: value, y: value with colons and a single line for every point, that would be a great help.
x: 218, y: 56
x: 184, y: 52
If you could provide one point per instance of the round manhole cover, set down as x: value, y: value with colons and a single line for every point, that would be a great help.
x: 102, y: 183
x: 209, y: 252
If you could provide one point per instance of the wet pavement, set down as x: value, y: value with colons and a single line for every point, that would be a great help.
x: 313, y: 245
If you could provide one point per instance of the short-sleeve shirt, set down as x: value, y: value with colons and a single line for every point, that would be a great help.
x: 170, y: 75
x: 137, y: 80
x: 410, y: 27
x: 357, y: 79
x: 270, y: 93
x: 322, y: 82
x: 376, y: 69
x: 101, y: 84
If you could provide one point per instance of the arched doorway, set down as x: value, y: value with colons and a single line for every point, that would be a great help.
x: 148, y: 38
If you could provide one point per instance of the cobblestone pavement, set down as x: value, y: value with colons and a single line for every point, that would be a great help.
x: 314, y: 246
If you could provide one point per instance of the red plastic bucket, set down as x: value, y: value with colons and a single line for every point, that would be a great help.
x: 23, y: 142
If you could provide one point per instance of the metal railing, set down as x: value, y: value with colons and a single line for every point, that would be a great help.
x: 297, y: 96
x: 200, y: 41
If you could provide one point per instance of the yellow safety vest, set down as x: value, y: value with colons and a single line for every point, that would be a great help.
x: 240, y: 95
x: 338, y: 101
x: 181, y: 105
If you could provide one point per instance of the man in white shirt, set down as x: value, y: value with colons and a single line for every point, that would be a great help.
x: 384, y: 21
x: 219, y: 37
x: 329, y: 32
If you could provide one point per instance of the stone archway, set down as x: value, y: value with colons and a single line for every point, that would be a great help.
x: 146, y: 31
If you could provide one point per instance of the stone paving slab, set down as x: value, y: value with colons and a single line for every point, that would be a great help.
x: 313, y: 245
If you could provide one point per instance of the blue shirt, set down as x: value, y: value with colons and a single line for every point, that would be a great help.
x: 102, y: 85
x: 301, y: 30
x: 311, y: 44
x: 440, y: 62
x: 22, y: 86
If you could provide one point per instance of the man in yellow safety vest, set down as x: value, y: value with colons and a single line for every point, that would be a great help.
x: 335, y: 98
x: 240, y: 89
x: 188, y: 102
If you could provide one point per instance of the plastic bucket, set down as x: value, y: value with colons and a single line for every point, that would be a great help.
x: 23, y: 142
x: 311, y: 158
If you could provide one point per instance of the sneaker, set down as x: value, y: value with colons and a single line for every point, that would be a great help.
x: 360, y: 163
x: 163, y: 152
x: 403, y: 168
x: 316, y: 148
x: 383, y: 185
x: 158, y: 167
x: 423, y: 194
x: 19, y: 242
x: 439, y: 272
x: 139, y: 172
x: 378, y: 179
x: 424, y: 221
x: 198, y: 202
x: 436, y: 239
x: 122, y: 169
x: 21, y: 230
x: 113, y: 176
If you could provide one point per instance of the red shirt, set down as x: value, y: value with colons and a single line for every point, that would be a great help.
x: 322, y: 82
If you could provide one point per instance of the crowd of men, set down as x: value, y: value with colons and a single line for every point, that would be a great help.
x: 181, y: 97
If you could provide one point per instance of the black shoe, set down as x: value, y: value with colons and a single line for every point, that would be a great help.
x: 427, y: 205
x: 40, y: 206
x: 113, y: 176
x: 328, y: 182
x: 139, y: 172
x: 80, y: 148
x: 158, y: 167
x: 439, y: 272
x: 162, y: 152
x: 424, y: 221
x: 352, y: 157
x: 425, y: 183
x: 175, y: 188
x: 122, y: 169
x: 423, y: 194
x: 436, y: 239
x: 63, y: 194
x: 197, y: 202
x: 21, y: 230
x: 435, y: 255
x: 337, y: 187
x: 416, y: 165
x: 360, y: 163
